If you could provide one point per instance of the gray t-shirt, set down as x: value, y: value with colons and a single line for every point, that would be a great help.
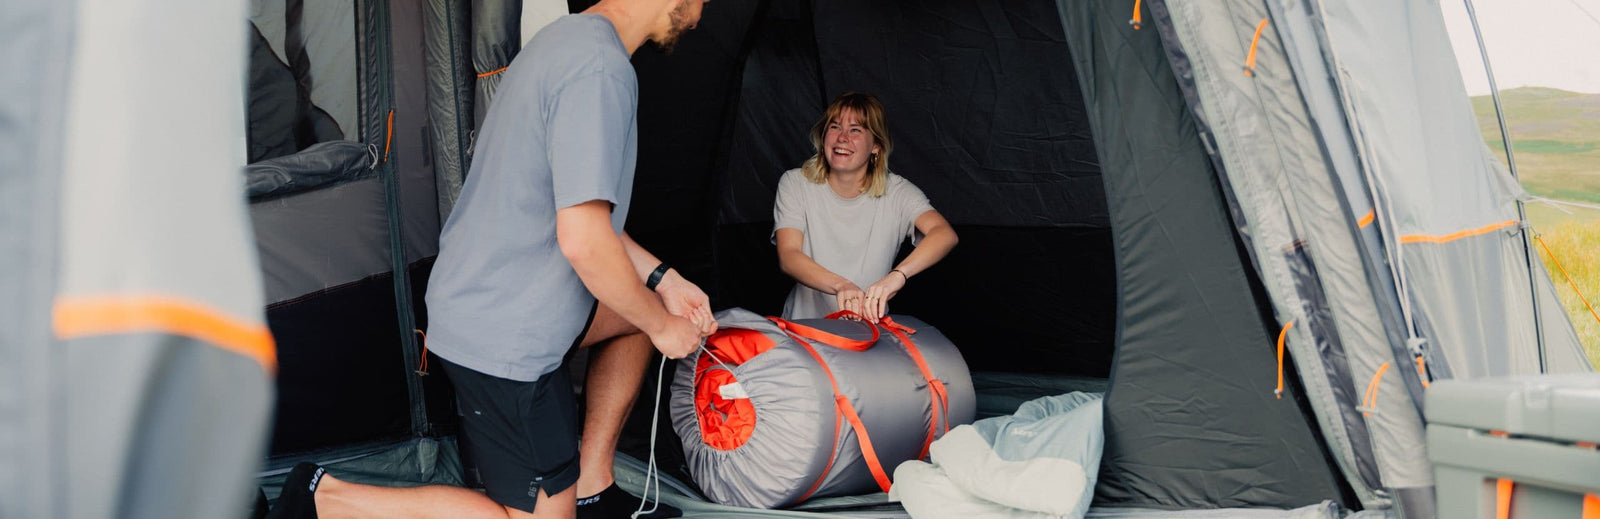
x: 561, y: 131
x: 854, y: 237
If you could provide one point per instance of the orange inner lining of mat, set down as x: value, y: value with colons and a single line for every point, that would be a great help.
x: 726, y: 424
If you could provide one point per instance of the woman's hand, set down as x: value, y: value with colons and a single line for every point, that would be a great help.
x: 879, y: 294
x: 850, y: 297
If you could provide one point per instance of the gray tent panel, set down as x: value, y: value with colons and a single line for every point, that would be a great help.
x: 321, y: 239
x: 163, y: 361
x: 1184, y: 300
x: 1276, y: 170
x: 37, y: 38
x: 1420, y: 139
x: 409, y: 153
x: 496, y: 38
x: 1551, y: 310
x: 450, y: 79
x: 163, y: 426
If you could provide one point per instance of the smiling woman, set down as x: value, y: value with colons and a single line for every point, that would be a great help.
x: 840, y: 218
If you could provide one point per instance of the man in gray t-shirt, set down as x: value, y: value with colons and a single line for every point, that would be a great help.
x: 534, y: 263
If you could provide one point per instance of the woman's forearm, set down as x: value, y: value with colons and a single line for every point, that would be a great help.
x: 810, y: 273
x: 934, y: 247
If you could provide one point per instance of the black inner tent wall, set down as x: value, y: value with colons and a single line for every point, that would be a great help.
x: 986, y: 119
x: 989, y: 119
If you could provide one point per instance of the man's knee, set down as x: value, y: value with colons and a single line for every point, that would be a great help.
x: 607, y: 325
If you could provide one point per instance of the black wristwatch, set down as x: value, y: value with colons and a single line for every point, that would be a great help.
x: 656, y: 275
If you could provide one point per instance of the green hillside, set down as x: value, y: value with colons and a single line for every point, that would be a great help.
x: 1557, y: 137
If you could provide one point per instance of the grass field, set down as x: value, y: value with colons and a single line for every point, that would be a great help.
x: 1574, y: 239
x: 1556, y: 138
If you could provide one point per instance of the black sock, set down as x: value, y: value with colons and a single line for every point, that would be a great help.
x: 614, y: 503
x: 298, y: 500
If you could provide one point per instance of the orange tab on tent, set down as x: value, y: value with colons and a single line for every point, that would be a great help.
x: 1136, y: 21
x: 1282, y: 336
x: 1591, y: 506
x: 493, y: 72
x: 1250, y: 61
x: 1371, y: 401
x: 1367, y: 219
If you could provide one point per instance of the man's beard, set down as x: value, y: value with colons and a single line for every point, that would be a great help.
x: 678, y: 18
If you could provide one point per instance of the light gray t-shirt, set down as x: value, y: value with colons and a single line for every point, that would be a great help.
x: 561, y: 131
x: 854, y: 237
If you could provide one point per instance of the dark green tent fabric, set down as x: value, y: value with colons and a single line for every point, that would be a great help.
x: 1187, y: 316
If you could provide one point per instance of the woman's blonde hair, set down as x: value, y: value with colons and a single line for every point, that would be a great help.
x: 870, y: 113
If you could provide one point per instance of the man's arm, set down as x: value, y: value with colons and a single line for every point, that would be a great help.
x: 681, y: 297
x: 601, y: 260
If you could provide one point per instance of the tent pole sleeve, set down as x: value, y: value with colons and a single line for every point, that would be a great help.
x: 382, y: 87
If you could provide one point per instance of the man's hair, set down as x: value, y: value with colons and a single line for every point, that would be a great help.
x: 869, y: 111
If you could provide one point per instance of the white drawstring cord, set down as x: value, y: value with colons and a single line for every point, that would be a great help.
x: 650, y: 474
x: 652, y: 477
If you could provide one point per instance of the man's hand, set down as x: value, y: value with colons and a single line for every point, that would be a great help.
x: 684, y: 299
x: 676, y: 337
x: 879, y: 294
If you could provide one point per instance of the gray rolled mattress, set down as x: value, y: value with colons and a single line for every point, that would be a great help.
x: 773, y: 412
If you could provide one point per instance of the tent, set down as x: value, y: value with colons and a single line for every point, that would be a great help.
x: 1262, y: 226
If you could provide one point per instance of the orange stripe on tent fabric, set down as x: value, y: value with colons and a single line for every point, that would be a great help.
x: 1428, y: 238
x: 1250, y: 62
x: 493, y: 72
x: 87, y: 316
x: 1591, y: 506
x: 1367, y: 220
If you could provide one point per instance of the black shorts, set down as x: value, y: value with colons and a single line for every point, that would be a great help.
x: 519, y: 437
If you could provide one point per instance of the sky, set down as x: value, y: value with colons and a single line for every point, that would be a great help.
x: 1549, y: 43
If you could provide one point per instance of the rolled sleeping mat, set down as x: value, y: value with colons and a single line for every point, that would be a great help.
x: 779, y: 412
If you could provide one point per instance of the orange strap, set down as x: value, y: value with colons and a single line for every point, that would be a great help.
x: 1136, y: 22
x: 842, y: 405
x: 1564, y: 274
x: 1371, y: 401
x: 87, y: 316
x: 493, y: 72
x: 1250, y: 62
x: 1591, y: 506
x: 1422, y: 371
x: 825, y: 337
x: 1282, y: 335
x: 938, y: 395
x: 1502, y: 498
x: 388, y: 138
